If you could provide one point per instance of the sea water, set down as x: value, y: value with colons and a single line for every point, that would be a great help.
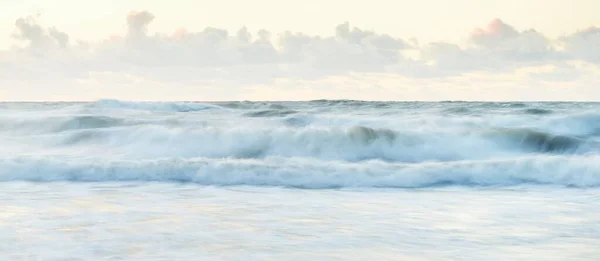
x: 318, y: 180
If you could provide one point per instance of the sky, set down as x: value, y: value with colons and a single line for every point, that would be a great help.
x: 299, y: 50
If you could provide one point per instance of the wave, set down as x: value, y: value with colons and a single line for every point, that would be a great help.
x: 90, y: 122
x: 354, y: 144
x: 538, y: 141
x: 366, y: 135
x: 537, y: 111
x: 319, y: 144
x: 583, y: 124
x: 353, y: 103
x: 70, y: 123
x: 270, y: 113
x: 581, y: 171
x: 298, y: 120
x: 152, y: 106
x: 54, y: 124
x: 357, y: 143
x: 253, y: 105
x: 458, y: 110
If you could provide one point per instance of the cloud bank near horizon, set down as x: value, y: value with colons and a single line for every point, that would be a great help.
x: 215, y: 64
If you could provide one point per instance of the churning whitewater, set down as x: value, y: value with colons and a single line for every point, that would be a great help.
x: 316, y: 144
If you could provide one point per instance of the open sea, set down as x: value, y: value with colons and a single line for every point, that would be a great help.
x: 316, y: 180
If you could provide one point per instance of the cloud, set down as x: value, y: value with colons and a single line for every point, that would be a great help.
x: 584, y: 45
x: 495, y: 33
x: 138, y: 22
x: 504, y: 40
x: 37, y: 37
x: 499, y: 47
x: 217, y: 59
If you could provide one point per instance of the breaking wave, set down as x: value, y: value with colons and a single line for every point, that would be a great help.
x: 353, y: 144
x: 152, y: 106
x: 536, y: 111
x: 583, y: 171
x: 538, y: 141
x: 90, y: 122
x: 315, y: 144
x: 270, y: 113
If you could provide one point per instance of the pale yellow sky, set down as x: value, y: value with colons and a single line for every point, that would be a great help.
x: 426, y: 20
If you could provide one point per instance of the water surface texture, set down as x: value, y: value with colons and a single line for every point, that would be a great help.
x: 318, y: 180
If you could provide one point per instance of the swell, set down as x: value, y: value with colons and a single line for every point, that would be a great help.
x: 270, y: 113
x: 253, y: 105
x: 537, y: 141
x: 55, y: 124
x: 281, y: 131
x: 151, y: 106
x: 352, y: 144
x: 581, y: 123
x: 538, y: 111
x: 581, y: 171
x: 357, y: 143
x: 353, y: 104
x: 90, y: 122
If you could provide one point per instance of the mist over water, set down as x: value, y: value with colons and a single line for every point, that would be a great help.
x: 315, y: 180
x: 316, y: 144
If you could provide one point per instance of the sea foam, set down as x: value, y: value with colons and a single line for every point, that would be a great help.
x: 318, y: 144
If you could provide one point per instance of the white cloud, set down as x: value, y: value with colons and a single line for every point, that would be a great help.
x: 137, y: 23
x: 37, y: 37
x: 496, y: 33
x: 502, y: 39
x: 215, y: 59
x: 584, y: 45
x: 498, y: 47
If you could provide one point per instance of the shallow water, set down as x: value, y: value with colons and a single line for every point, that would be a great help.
x: 113, y: 221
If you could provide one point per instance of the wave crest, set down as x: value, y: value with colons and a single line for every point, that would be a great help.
x: 366, y: 135
x: 583, y: 171
x: 270, y: 113
x: 539, y: 141
x: 537, y: 111
x: 153, y: 106
x: 90, y: 122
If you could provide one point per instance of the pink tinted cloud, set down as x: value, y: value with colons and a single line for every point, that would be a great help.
x: 138, y: 22
x: 495, y: 32
x: 114, y: 37
x: 180, y: 33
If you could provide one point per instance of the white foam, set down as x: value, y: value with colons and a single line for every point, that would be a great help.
x: 114, y: 140
x: 152, y: 106
x: 350, y: 144
x: 580, y: 171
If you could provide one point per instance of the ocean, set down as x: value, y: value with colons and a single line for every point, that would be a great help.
x: 314, y: 180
